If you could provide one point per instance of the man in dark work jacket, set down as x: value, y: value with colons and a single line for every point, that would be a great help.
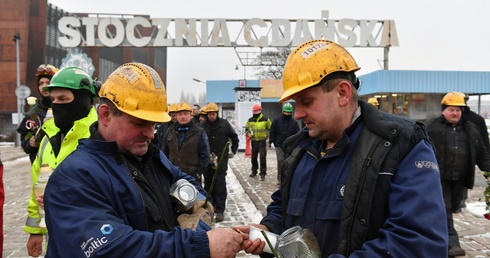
x: 187, y: 144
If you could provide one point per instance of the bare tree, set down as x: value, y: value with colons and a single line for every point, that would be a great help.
x: 187, y: 97
x: 272, y: 63
x: 202, y: 98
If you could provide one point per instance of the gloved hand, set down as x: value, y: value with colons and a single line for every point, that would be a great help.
x: 198, y: 218
x: 198, y: 205
x: 231, y: 155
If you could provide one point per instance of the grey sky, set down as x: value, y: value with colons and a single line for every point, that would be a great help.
x: 433, y: 35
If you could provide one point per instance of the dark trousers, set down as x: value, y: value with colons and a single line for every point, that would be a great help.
x: 219, y: 193
x: 259, y: 147
x: 280, y: 156
x: 452, y: 191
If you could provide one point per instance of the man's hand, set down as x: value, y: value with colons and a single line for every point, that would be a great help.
x: 33, y: 143
x: 35, y: 245
x: 196, y: 214
x: 40, y: 201
x: 252, y: 247
x: 225, y: 242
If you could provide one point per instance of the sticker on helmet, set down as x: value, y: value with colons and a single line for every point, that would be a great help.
x: 128, y: 74
x: 313, y: 49
x: 156, y: 78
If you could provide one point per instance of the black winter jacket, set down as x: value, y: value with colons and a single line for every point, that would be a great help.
x: 36, y: 116
x: 479, y: 154
x: 219, y: 132
x: 479, y: 121
x: 282, y: 127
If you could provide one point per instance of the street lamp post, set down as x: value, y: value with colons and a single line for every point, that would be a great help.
x: 199, y: 95
x: 17, y: 39
x: 197, y: 80
x: 244, y: 72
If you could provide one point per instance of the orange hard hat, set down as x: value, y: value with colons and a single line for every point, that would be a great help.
x: 256, y: 109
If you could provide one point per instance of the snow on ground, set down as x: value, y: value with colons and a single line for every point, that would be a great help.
x: 476, y: 208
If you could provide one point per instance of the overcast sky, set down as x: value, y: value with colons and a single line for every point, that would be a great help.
x: 433, y: 35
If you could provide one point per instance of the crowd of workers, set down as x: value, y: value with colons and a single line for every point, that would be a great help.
x: 363, y: 182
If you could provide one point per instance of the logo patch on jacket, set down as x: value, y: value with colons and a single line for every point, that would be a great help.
x: 426, y: 164
x: 98, y: 237
x: 340, y: 191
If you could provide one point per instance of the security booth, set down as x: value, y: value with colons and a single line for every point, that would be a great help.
x: 246, y: 98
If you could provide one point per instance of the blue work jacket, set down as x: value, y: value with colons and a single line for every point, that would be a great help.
x: 94, y: 209
x: 371, y: 195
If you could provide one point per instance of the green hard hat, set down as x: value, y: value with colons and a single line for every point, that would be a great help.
x: 72, y: 78
x: 287, y: 108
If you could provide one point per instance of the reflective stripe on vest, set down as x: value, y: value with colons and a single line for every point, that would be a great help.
x: 32, y: 222
x: 41, y: 150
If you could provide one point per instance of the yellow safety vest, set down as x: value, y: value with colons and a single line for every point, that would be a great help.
x: 45, y: 155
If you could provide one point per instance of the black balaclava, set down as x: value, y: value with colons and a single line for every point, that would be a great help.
x: 256, y: 115
x: 45, y: 101
x: 66, y: 114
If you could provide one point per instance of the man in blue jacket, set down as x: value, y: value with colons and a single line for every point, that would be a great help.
x: 364, y: 182
x: 112, y: 196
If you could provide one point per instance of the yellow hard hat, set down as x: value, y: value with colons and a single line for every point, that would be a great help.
x: 373, y: 101
x: 204, y: 110
x: 172, y: 108
x: 183, y: 106
x: 137, y: 90
x: 454, y: 98
x: 312, y: 61
x: 212, y: 107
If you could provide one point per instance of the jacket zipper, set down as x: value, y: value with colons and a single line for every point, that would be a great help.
x: 367, y: 163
